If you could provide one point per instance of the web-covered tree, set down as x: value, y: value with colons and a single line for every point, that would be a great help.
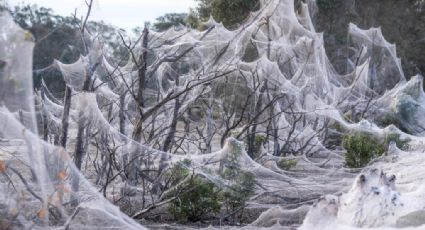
x: 229, y: 12
x: 168, y: 20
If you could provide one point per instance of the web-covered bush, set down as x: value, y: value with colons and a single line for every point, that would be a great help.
x: 286, y: 164
x: 361, y: 149
x: 199, y: 200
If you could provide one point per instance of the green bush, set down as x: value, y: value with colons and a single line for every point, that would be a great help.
x: 258, y: 143
x: 389, y: 119
x: 177, y: 173
x: 287, y: 164
x: 234, y: 197
x: 361, y: 149
x: 200, y: 199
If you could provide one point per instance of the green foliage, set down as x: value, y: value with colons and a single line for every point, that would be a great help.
x: 201, y: 199
x: 390, y: 119
x: 58, y: 37
x: 385, y: 120
x: 236, y: 195
x: 287, y: 164
x: 169, y: 20
x: 196, y: 197
x: 402, y: 144
x: 192, y: 19
x: 258, y: 142
x: 179, y: 172
x: 361, y: 149
x: 229, y: 12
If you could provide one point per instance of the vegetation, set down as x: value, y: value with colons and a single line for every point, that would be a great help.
x: 169, y: 20
x: 237, y: 194
x: 229, y: 12
x: 201, y: 199
x: 287, y: 164
x: 361, y: 149
x: 235, y: 197
x: 58, y: 37
x: 402, y: 144
x: 258, y: 143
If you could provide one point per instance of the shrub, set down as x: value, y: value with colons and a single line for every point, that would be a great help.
x: 200, y: 198
x: 178, y: 173
x: 234, y: 198
x: 390, y: 119
x: 361, y: 149
x: 287, y: 164
x: 258, y: 143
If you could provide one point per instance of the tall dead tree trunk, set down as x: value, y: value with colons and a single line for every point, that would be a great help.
x: 137, y: 132
x: 122, y: 114
x: 209, y: 125
x: 169, y: 140
x: 131, y: 170
x: 79, y: 146
x: 65, y: 116
x: 45, y: 122
x: 253, y: 132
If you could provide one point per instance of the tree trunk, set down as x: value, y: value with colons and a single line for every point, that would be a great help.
x: 65, y: 117
x: 132, y: 171
x: 45, y: 122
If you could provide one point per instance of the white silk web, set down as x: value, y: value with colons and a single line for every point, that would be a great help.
x: 269, y: 78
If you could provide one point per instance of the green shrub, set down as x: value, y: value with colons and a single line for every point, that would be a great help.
x: 287, y: 164
x: 258, y: 143
x: 234, y: 197
x: 200, y: 199
x: 361, y: 149
x: 402, y: 144
x: 390, y: 119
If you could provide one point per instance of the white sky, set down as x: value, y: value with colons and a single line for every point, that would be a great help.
x: 125, y: 14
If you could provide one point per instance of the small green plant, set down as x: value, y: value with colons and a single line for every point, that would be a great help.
x: 287, y: 164
x: 361, y: 149
x: 259, y: 141
x: 200, y: 199
x: 402, y: 144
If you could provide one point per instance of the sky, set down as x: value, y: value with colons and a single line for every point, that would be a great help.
x: 126, y: 14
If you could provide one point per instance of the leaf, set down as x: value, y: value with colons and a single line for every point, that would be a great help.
x: 62, y: 175
x: 3, y: 166
x: 41, y: 214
